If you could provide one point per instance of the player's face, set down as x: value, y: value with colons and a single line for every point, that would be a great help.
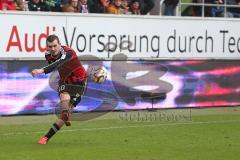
x: 53, y: 47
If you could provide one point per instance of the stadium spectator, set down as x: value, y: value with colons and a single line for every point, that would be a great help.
x: 114, y: 7
x: 146, y: 6
x: 125, y: 7
x: 72, y: 6
x: 38, y: 5
x: 20, y: 5
x: 233, y: 11
x: 72, y: 83
x: 217, y: 11
x: 197, y: 10
x: 98, y: 6
x: 135, y: 7
x: 7, y: 5
x: 170, y: 7
x: 56, y: 5
x: 50, y: 3
x: 83, y: 6
x: 207, y: 10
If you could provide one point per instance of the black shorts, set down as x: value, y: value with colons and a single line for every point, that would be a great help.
x: 75, y: 90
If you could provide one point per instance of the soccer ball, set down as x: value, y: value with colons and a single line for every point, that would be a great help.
x: 99, y: 74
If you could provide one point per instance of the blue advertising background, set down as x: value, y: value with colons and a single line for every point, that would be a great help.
x: 130, y: 85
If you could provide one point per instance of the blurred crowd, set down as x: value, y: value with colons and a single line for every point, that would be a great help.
x: 139, y: 7
x: 204, y: 8
x: 217, y: 8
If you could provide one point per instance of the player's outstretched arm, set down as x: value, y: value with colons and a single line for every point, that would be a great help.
x: 37, y: 72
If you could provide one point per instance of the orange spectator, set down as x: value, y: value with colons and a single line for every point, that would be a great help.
x: 72, y: 6
x: 115, y: 7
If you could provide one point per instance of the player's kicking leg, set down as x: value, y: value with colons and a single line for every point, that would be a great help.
x: 54, y: 129
x: 67, y: 104
x: 65, y: 111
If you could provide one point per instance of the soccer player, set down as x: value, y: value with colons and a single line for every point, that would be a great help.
x: 72, y: 83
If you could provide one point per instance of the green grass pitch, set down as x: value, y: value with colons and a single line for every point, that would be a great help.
x: 190, y: 134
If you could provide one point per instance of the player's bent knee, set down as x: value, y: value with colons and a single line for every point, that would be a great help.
x: 65, y: 117
x: 65, y: 96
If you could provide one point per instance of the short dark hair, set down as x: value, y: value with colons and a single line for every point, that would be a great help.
x: 52, y: 38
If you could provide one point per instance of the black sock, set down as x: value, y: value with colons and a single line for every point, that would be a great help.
x: 52, y: 131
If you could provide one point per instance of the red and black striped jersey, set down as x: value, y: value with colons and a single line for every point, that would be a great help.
x: 68, y: 65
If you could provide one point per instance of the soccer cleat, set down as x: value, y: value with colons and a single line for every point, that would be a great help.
x: 65, y: 118
x: 43, y: 140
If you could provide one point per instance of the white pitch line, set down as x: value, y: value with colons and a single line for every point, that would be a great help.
x: 121, y: 127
